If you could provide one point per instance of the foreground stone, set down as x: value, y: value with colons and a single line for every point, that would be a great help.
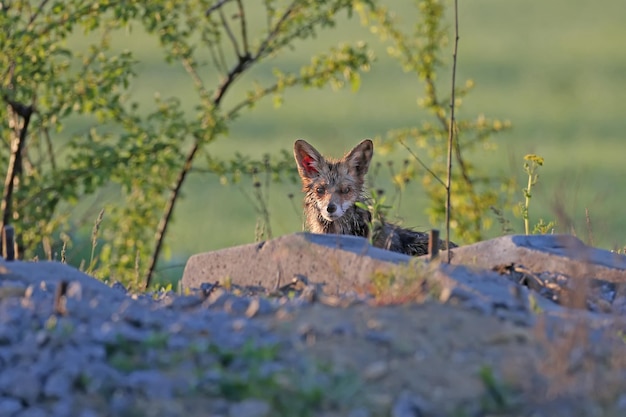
x: 339, y: 263
x: 558, y: 267
x: 562, y: 254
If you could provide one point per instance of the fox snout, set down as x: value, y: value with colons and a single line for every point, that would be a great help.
x: 332, y: 210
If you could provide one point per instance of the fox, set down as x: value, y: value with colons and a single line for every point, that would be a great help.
x: 333, y: 187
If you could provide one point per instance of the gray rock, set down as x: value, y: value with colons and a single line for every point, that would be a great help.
x: 63, y: 408
x: 153, y: 383
x: 359, y: 412
x: 119, y: 287
x: 8, y: 356
x: 137, y: 315
x: 74, y: 290
x: 378, y: 336
x: 236, y: 305
x: 250, y: 408
x: 9, y: 406
x: 98, y: 377
x: 58, y: 385
x: 217, y: 298
x: 407, y: 405
x: 259, y: 306
x: 32, y: 412
x: 21, y: 383
x: 7, y: 335
x: 185, y: 302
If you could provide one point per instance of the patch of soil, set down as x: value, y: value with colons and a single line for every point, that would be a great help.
x: 455, y: 361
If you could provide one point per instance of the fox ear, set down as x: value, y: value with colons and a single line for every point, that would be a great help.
x: 359, y: 157
x: 307, y: 158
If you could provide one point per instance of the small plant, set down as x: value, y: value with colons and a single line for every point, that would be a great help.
x: 94, y: 242
x: 378, y: 209
x: 534, y: 304
x: 497, y: 397
x: 531, y: 166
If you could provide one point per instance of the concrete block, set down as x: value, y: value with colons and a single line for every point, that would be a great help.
x: 342, y: 263
x: 562, y: 254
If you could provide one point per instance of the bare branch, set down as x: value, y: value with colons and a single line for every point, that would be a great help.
x: 270, y: 37
x: 451, y: 128
x: 222, y: 57
x: 230, y: 34
x: 169, y: 207
x: 243, y: 63
x: 216, y: 6
x: 244, y: 28
x: 216, y: 62
x: 34, y: 16
x: 53, y: 164
x: 417, y: 158
x: 194, y: 76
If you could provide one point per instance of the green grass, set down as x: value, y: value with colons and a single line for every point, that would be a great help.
x: 553, y: 68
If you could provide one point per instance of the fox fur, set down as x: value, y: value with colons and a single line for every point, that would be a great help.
x: 332, y: 187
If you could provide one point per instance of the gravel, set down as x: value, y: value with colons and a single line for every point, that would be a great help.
x: 70, y: 348
x: 81, y: 352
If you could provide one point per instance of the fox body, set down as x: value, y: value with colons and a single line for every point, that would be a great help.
x: 333, y: 187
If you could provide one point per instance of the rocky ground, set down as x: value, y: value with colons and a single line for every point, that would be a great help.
x: 447, y: 343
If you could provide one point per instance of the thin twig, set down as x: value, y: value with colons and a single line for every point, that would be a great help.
x: 417, y: 158
x: 36, y: 14
x: 241, y: 66
x: 262, y: 49
x: 214, y: 58
x: 53, y: 163
x: 195, y: 77
x: 589, y: 228
x: 451, y: 127
x: 230, y: 33
x: 244, y: 27
x: 216, y: 6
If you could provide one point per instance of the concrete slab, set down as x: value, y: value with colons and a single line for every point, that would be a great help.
x: 340, y: 262
x: 562, y: 254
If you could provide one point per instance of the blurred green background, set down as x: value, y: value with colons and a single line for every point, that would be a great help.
x: 556, y: 70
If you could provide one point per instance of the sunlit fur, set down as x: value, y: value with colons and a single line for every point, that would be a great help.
x: 332, y: 187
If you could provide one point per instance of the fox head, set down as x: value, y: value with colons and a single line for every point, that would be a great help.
x: 332, y: 186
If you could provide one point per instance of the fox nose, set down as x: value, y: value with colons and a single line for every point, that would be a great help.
x: 331, y: 208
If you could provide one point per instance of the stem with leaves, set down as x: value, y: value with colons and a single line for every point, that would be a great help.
x: 533, y: 162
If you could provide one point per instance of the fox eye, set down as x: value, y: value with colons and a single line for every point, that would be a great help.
x: 345, y: 190
x: 320, y: 190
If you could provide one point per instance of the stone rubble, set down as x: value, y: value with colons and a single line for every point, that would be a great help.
x: 135, y: 351
x: 73, y: 346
